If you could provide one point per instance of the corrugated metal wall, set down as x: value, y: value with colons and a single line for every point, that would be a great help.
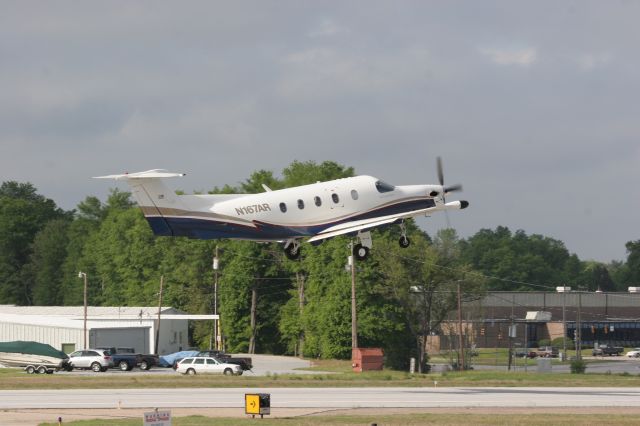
x: 54, y: 336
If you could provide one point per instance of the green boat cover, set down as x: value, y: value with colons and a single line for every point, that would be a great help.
x: 33, y: 348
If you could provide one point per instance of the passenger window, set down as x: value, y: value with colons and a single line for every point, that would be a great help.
x: 335, y: 198
x: 300, y: 204
x: 210, y: 361
x: 384, y: 186
x: 354, y: 194
x: 317, y: 200
x: 283, y: 207
x: 187, y: 361
x: 199, y: 361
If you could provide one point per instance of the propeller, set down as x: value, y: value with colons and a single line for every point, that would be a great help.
x: 446, y: 189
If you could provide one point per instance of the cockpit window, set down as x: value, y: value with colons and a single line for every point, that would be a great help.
x: 384, y: 186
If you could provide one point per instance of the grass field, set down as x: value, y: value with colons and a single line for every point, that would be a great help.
x: 341, y: 376
x: 335, y: 373
x: 393, y: 419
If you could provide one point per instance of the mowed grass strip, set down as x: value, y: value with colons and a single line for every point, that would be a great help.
x: 395, y: 419
x: 17, y: 379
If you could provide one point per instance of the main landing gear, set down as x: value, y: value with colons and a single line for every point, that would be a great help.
x: 292, y: 249
x: 362, y: 248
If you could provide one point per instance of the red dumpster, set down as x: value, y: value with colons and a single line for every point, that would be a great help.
x: 366, y: 359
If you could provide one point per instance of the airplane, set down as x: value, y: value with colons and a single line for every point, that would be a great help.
x: 319, y: 211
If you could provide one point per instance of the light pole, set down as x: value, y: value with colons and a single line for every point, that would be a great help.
x: 460, y: 338
x: 84, y: 275
x: 354, y: 319
x: 215, y: 298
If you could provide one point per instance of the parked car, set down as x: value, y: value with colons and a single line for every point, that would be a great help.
x: 246, y: 363
x: 94, y: 359
x: 607, y: 350
x: 204, y: 365
x: 171, y: 360
x: 125, y: 358
x: 547, y: 352
x: 633, y: 353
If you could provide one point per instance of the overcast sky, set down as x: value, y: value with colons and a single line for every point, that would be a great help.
x: 534, y: 106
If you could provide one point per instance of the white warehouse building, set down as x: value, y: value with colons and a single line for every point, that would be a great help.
x: 129, y: 326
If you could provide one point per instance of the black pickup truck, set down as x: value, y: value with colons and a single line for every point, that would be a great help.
x: 126, y: 359
x: 607, y: 350
x: 244, y: 362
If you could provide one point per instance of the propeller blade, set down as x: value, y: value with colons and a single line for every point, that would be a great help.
x: 453, y: 188
x: 440, y: 172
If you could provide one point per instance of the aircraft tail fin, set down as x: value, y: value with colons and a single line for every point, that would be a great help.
x: 153, y: 196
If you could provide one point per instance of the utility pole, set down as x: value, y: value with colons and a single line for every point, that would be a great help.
x: 254, y: 309
x: 159, y: 312
x: 579, y: 328
x: 300, y: 279
x: 213, y: 342
x: 510, y: 335
x: 354, y: 319
x: 564, y: 323
x: 84, y: 275
x: 460, y: 339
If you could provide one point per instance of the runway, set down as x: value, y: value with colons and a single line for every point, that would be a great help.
x: 322, y: 398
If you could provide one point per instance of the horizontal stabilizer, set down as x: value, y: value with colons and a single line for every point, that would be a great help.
x: 156, y: 173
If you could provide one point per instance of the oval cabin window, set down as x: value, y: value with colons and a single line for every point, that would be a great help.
x: 354, y: 194
x: 283, y: 207
x: 300, y: 204
x: 335, y: 198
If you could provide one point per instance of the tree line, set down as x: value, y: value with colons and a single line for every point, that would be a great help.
x: 267, y: 303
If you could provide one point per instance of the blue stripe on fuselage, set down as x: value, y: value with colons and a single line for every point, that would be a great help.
x: 208, y: 229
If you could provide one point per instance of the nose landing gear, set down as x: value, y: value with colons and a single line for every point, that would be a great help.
x: 404, y: 241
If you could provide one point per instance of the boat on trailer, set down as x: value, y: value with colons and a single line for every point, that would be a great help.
x: 34, y: 357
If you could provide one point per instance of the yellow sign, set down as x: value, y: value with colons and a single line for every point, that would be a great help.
x: 251, y: 403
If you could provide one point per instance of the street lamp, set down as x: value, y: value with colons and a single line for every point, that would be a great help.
x: 215, y: 265
x: 354, y: 319
x: 84, y: 275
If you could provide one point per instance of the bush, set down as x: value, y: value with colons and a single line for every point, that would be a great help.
x: 558, y: 342
x: 544, y: 342
x: 578, y: 366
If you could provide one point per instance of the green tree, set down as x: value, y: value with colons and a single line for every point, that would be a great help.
x: 45, y: 264
x: 633, y: 263
x: 519, y: 261
x: 23, y: 213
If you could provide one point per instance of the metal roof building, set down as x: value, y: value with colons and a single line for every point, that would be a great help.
x: 129, y: 326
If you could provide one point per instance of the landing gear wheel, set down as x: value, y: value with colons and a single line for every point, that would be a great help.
x: 360, y: 252
x: 292, y: 251
x: 404, y: 241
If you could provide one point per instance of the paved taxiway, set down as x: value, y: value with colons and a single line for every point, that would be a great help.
x: 323, y: 398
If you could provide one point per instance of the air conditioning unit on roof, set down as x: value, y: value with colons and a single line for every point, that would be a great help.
x: 541, y: 316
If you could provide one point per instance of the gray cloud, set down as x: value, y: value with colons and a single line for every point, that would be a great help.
x: 532, y: 105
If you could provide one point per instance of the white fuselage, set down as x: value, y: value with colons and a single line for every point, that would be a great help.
x: 286, y: 213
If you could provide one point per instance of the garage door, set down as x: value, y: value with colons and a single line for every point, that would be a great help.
x: 134, y: 337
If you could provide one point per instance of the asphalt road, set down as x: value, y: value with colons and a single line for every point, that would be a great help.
x: 322, y: 398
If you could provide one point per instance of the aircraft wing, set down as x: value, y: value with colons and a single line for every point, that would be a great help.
x: 365, y: 224
x: 156, y: 173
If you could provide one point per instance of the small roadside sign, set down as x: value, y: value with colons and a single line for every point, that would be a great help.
x: 157, y: 418
x: 257, y: 403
